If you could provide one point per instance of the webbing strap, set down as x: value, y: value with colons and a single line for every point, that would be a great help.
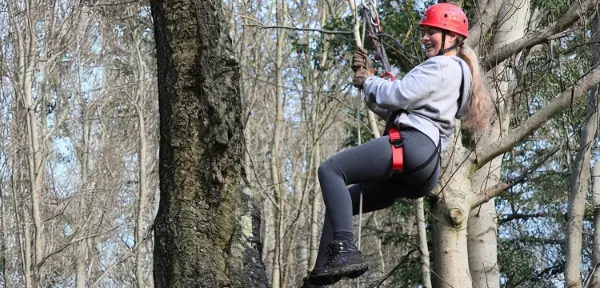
x: 397, y: 150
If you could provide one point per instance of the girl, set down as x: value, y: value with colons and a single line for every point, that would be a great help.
x: 423, y: 106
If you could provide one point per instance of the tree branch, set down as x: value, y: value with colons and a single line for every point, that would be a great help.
x: 487, y: 13
x: 73, y: 241
x: 510, y: 217
x: 533, y: 38
x: 402, y: 261
x: 491, y: 192
x: 562, y: 101
x: 300, y: 29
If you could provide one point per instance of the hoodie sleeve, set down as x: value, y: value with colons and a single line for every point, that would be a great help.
x: 405, y: 93
x: 382, y: 113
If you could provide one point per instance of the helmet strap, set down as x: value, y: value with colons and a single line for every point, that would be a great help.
x: 442, y: 50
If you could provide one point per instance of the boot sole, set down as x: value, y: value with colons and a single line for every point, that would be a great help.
x: 324, y: 281
x: 351, y: 271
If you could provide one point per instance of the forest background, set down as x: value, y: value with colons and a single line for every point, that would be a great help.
x: 80, y: 131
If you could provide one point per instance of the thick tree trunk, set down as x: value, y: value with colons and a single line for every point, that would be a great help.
x: 206, y: 229
x: 580, y: 178
x: 482, y: 228
x: 451, y: 211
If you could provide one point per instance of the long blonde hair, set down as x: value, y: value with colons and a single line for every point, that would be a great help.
x: 477, y: 117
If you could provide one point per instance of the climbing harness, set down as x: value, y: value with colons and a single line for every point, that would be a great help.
x: 371, y: 18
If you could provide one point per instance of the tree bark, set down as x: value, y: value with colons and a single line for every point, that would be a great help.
x: 276, y: 274
x: 206, y: 229
x: 580, y: 180
x: 27, y: 57
x: 142, y: 196
x: 423, y: 249
x: 482, y: 228
x: 315, y: 215
x: 451, y: 210
x: 595, y: 277
x: 140, y: 99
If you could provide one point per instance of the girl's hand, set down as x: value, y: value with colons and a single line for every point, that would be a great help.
x: 361, y: 65
x: 360, y: 60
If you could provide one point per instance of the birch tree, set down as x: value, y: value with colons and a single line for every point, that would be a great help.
x: 513, y: 17
x: 580, y: 181
x: 451, y: 207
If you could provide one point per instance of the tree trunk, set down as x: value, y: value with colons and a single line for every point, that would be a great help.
x: 206, y: 229
x: 580, y: 177
x: 315, y: 215
x: 34, y: 149
x: 20, y: 215
x: 482, y: 228
x: 424, y: 250
x: 297, y: 222
x: 81, y: 252
x: 595, y: 277
x: 142, y: 196
x: 276, y: 273
x: 451, y: 209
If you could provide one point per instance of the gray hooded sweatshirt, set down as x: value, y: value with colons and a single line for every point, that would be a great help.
x: 429, y: 94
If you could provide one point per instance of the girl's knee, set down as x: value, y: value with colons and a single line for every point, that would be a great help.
x: 327, y: 168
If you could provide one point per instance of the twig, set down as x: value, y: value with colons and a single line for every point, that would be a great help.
x: 260, y: 26
x: 402, y: 260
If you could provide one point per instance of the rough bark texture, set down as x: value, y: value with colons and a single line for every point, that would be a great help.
x: 206, y: 230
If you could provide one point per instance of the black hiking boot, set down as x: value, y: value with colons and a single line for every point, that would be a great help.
x: 320, y: 283
x: 343, y: 260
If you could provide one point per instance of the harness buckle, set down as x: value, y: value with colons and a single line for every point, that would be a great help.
x: 398, y: 143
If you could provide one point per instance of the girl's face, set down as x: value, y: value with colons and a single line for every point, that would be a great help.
x: 432, y: 40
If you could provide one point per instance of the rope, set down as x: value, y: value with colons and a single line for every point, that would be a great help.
x: 371, y: 19
x: 358, y: 107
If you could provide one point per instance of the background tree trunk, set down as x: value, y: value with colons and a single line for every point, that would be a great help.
x: 201, y: 147
x: 482, y: 228
x: 595, y: 277
x: 580, y: 181
x: 423, y: 249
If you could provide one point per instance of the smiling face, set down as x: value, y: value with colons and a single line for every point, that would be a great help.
x: 432, y: 40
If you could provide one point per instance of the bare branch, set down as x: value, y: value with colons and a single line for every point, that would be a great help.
x: 402, y: 261
x: 73, y: 241
x: 536, y: 37
x: 562, y: 101
x: 491, y: 192
x: 115, y: 3
x: 300, y: 29
x: 515, y: 216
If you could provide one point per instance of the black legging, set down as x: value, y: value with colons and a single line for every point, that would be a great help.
x: 369, y: 166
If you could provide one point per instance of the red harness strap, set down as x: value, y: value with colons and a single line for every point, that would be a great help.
x: 397, y: 150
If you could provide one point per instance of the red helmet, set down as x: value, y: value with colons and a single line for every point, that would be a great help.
x: 448, y: 17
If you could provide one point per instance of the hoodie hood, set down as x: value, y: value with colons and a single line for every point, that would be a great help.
x: 463, y: 99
